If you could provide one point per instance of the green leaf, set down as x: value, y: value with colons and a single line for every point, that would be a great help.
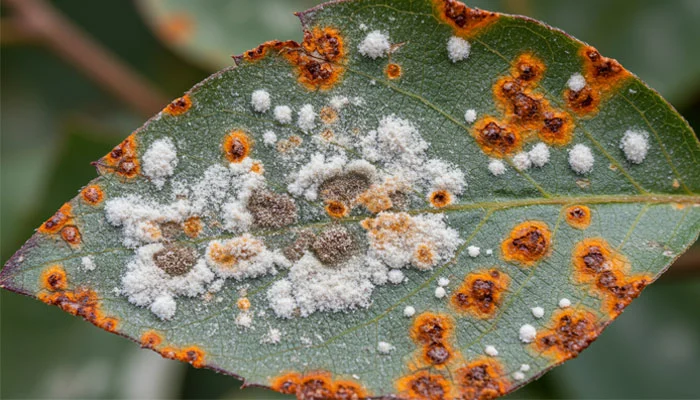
x: 382, y: 240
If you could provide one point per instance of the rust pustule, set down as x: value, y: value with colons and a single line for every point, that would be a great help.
x: 393, y: 71
x: 178, y: 106
x: 71, y: 235
x: 348, y: 390
x: 243, y: 304
x: 527, y: 243
x: 315, y: 385
x: 528, y: 69
x: 192, y: 227
x: 582, y: 102
x: 336, y: 209
x: 273, y: 45
x: 319, y: 58
x: 286, y: 383
x: 58, y: 220
x: 603, y: 71
x: 465, y: 21
x: 570, y: 332
x: 54, y: 278
x: 440, y: 198
x: 557, y: 128
x: 481, y: 379
x: 496, y: 138
x: 437, y: 354
x: 237, y: 146
x: 593, y: 256
x: 92, y: 194
x: 578, y: 216
x: 82, y: 302
x: 520, y: 105
x: 122, y: 159
x: 424, y: 385
x: 151, y: 339
x: 318, y: 385
x: 481, y: 293
x: 429, y: 328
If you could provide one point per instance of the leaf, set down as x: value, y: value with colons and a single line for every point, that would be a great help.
x: 381, y: 240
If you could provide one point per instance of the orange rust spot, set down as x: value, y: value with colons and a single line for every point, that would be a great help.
x: 593, y: 256
x: 243, y: 303
x: 54, y: 278
x: 481, y: 293
x: 393, y: 71
x: 571, y: 332
x: 178, y: 106
x: 287, y: 383
x: 151, y: 339
x: 327, y: 135
x: 81, y: 302
x: 192, y: 227
x: 578, y: 216
x: 440, y: 198
x: 71, y: 235
x: 257, y: 168
x: 192, y: 355
x: 221, y: 254
x: 176, y: 28
x: 92, y: 195
x: 122, y: 159
x: 482, y: 379
x: 584, y: 101
x: 237, y: 146
x: 437, y: 354
x: 379, y: 196
x: 58, y: 220
x: 496, y: 138
x: 348, y: 390
x: 424, y: 255
x: 424, y: 385
x: 431, y: 328
x: 328, y: 115
x: 318, y: 60
x: 262, y: 50
x: 603, y: 72
x: 527, y: 243
x: 528, y: 68
x: 315, y: 385
x: 522, y: 107
x: 465, y: 21
x: 107, y: 323
x: 557, y: 128
x: 336, y: 209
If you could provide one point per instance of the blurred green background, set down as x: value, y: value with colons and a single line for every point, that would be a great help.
x: 55, y: 118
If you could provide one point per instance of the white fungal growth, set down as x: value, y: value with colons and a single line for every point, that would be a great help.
x: 306, y: 118
x: 409, y: 311
x: 338, y: 102
x: 458, y: 49
x: 375, y: 45
x: 260, y: 100
x: 525, y: 367
x: 243, y: 257
x: 440, y: 292
x: 396, y: 276
x: 470, y: 116
x: 522, y: 161
x: 88, y: 263
x: 273, y: 336
x: 384, y: 347
x: 489, y: 252
x: 581, y: 159
x: 442, y: 176
x: 269, y: 138
x: 564, y: 303
x: 164, y: 307
x: 539, y: 155
x: 283, y: 114
x: 518, y: 376
x: 473, y: 251
x: 527, y: 333
x: 310, y: 176
x: 491, y: 351
x: 537, y: 312
x: 497, y: 167
x: 244, y: 320
x: 576, y: 82
x: 442, y: 281
x: 395, y: 139
x: 635, y: 145
x: 159, y: 161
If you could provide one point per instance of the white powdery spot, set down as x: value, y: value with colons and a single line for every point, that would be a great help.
x: 497, y: 167
x: 273, y: 336
x: 375, y: 45
x: 440, y: 292
x: 473, y: 251
x: 527, y: 333
x: 88, y: 263
x: 443, y: 176
x: 306, y: 118
x: 635, y: 145
x: 458, y: 49
x: 576, y: 82
x: 489, y: 252
x: 384, y: 347
x: 470, y: 115
x: 539, y: 155
x: 443, y: 281
x: 525, y: 367
x: 395, y: 139
x: 269, y: 138
x: 244, y: 320
x: 338, y: 102
x: 396, y: 276
x: 409, y: 311
x: 283, y: 114
x: 518, y: 376
x: 581, y: 159
x: 564, y: 303
x: 260, y: 100
x: 159, y: 161
x: 164, y: 307
x: 537, y: 312
x: 491, y: 351
x: 522, y: 161
x: 243, y: 257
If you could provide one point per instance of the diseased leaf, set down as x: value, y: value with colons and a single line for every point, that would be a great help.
x: 420, y: 199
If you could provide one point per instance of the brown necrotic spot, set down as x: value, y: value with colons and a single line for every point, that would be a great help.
x: 393, y: 71
x: 496, y: 138
x: 593, y: 256
x: 71, y: 235
x: 151, y: 339
x: 440, y: 198
x: 54, y: 278
x: 481, y: 379
x: 347, y: 390
x: 92, y: 195
x: 333, y: 245
x: 570, y: 333
x: 466, y: 21
x: 527, y: 243
x: 328, y: 115
x: 557, y: 128
x: 237, y: 146
x: 274, y: 45
x: 192, y: 227
x: 344, y: 187
x: 315, y: 386
x: 286, y: 383
x: 192, y: 355
x: 82, y: 302
x: 122, y: 159
x: 481, y: 293
x: 336, y: 209
x: 602, y: 68
x: 272, y: 210
x: 578, y: 216
x: 424, y: 385
x: 430, y: 328
x: 318, y: 60
x: 521, y: 106
x: 58, y: 220
x: 528, y: 68
x: 437, y: 354
x: 175, y: 260
x: 582, y: 102
x: 178, y: 106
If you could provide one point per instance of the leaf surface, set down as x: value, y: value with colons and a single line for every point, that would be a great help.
x: 369, y: 243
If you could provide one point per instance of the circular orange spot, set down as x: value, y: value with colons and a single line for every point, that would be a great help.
x: 336, y: 209
x: 257, y: 168
x: 237, y: 146
x: 393, y: 71
x: 192, y: 227
x: 440, y: 198
x: 527, y: 243
x: 92, y: 195
x: 495, y: 138
x: 54, y: 278
x: 243, y: 304
x: 528, y: 68
x: 578, y: 217
x: 71, y: 235
x: 432, y: 328
x: 424, y: 256
x: 58, y: 220
x: 571, y: 332
x: 178, y: 106
x: 287, y: 383
x: 424, y: 385
x: 328, y: 115
x: 482, y: 379
x: 481, y: 293
x: 151, y: 339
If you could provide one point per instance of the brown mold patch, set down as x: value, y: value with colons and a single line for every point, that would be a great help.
x: 92, y: 195
x: 71, y: 235
x: 527, y: 243
x: 178, y: 106
x: 465, y: 21
x: 58, y: 220
x: 175, y: 260
x: 81, y: 302
x: 54, y: 278
x: 122, y: 159
x: 557, y: 128
x: 344, y: 187
x: 302, y: 242
x: 328, y: 115
x: 192, y: 227
x: 424, y: 385
x: 528, y: 69
x: 496, y: 138
x: 272, y: 210
x: 393, y: 71
x: 237, y: 146
x: 440, y: 198
x: 333, y: 245
x: 318, y: 60
x: 481, y: 293
x: 151, y: 339
x: 570, y: 333
x: 578, y: 216
x: 481, y: 379
x: 336, y: 209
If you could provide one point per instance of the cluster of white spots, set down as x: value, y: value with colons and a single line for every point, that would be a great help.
x: 470, y: 115
x: 283, y: 114
x: 88, y: 263
x: 159, y: 161
x: 473, y: 251
x: 497, y: 167
x: 527, y: 333
x: 537, y: 312
x: 310, y: 176
x: 564, y: 303
x: 260, y: 100
x: 519, y: 375
x: 273, y: 336
x: 147, y: 285
x: 385, y: 348
x: 396, y: 276
x: 363, y: 27
x: 581, y: 159
x: 525, y: 367
x: 375, y: 45
x: 521, y: 161
x: 576, y: 82
x: 409, y: 311
x: 306, y: 118
x: 458, y: 49
x: 539, y: 155
x: 635, y: 145
x: 440, y: 292
x: 269, y: 138
x: 243, y: 257
x: 442, y: 281
x: 491, y: 351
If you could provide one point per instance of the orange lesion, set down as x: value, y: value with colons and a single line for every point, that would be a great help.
x: 527, y: 243
x: 71, y: 235
x: 82, y: 302
x: 92, y: 194
x: 319, y: 59
x: 57, y: 221
x: 122, y: 159
x: 328, y: 115
x: 317, y: 385
x: 481, y: 293
x: 528, y: 69
x: 192, y: 226
x: 578, y: 216
x: 424, y: 255
x: 481, y: 379
x: 496, y: 138
x: 557, y: 128
x: 193, y: 355
x: 151, y: 339
x: 424, y: 385
x: 393, y: 71
x: 440, y: 198
x: 54, y: 278
x: 178, y: 106
x: 432, y: 332
x: 337, y: 209
x: 237, y: 146
x: 272, y: 45
x: 464, y: 20
x: 570, y: 332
